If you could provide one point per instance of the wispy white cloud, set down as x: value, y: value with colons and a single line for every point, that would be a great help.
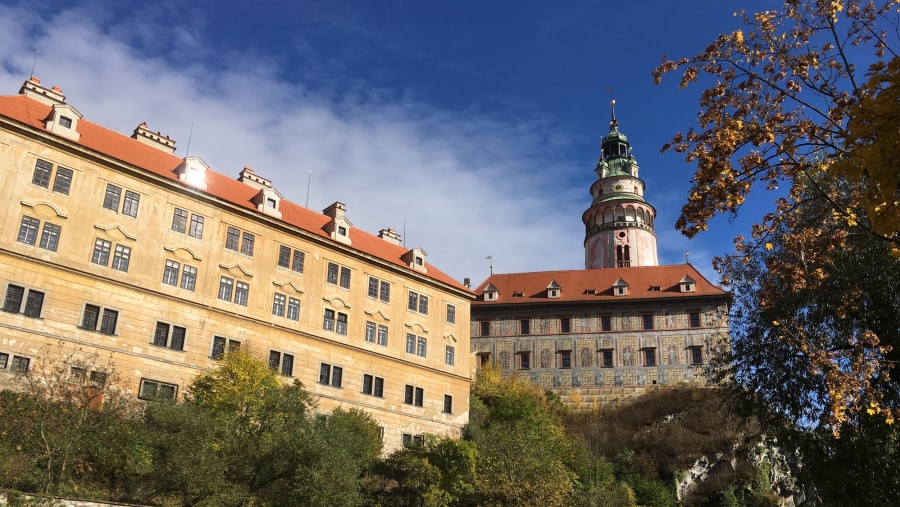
x: 466, y: 184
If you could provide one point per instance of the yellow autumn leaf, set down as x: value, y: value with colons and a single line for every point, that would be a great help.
x: 769, y: 246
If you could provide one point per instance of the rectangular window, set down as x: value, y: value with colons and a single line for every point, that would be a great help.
x: 121, y: 258
x: 28, y: 230
x: 370, y: 331
x: 373, y: 386
x: 696, y: 355
x: 448, y: 404
x: 341, y: 327
x: 297, y: 261
x: 413, y: 395
x: 90, y: 317
x: 565, y: 359
x: 188, y: 278
x: 649, y: 357
x: 421, y: 347
x: 278, y: 304
x: 418, y: 303
x: 196, y: 229
x: 293, y: 309
x: 283, y: 363
x: 50, y: 237
x: 328, y: 322
x: 130, y: 205
x: 226, y: 286
x: 33, y: 304
x: 101, y: 252
x: 247, y: 243
x: 4, y: 360
x: 648, y: 320
x: 221, y: 345
x: 112, y: 196
x: 694, y: 319
x: 169, y: 336
x: 241, y: 293
x: 99, y: 319
x: 179, y: 220
x: 451, y: 314
x: 232, y: 239
x: 524, y: 326
x: 382, y: 335
x: 284, y: 256
x: 154, y: 390
x: 170, y: 273
x: 485, y: 328
x: 332, y: 276
x: 108, y: 321
x: 42, y: 172
x: 449, y: 355
x: 525, y: 360
x: 14, y: 297
x: 345, y: 277
x: 379, y: 289
x: 564, y: 325
x: 63, y: 181
x: 20, y: 364
x: 605, y: 323
x: 410, y: 343
x: 607, y: 358
x: 330, y: 375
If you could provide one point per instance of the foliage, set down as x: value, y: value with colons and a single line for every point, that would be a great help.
x: 68, y: 427
x: 787, y: 106
x: 524, y: 455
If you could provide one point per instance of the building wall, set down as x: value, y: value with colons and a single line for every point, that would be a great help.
x: 69, y: 281
x: 673, y: 340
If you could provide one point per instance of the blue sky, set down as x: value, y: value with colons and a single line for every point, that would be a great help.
x: 472, y: 127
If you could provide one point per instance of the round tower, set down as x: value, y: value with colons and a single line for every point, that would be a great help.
x: 619, y: 223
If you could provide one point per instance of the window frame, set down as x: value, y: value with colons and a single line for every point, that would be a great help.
x: 565, y: 359
x: 172, y: 336
x: 24, y: 302
x: 28, y: 229
x: 451, y: 314
x: 372, y: 385
x: 222, y: 345
x: 281, y: 362
x: 694, y: 321
x: 50, y: 234
x: 331, y: 375
x: 103, y: 320
x: 158, y: 384
x: 448, y: 404
x: 449, y: 355
x: 413, y: 395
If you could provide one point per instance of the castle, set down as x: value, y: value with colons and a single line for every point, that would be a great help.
x: 616, y: 327
x: 114, y: 246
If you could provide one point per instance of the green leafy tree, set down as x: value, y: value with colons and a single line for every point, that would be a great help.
x: 436, y: 472
x: 524, y: 455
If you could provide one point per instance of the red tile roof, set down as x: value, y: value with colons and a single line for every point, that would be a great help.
x: 125, y: 149
x: 596, y: 285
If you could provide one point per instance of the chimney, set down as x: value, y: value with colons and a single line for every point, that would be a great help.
x: 155, y: 139
x: 467, y: 282
x: 390, y: 235
x: 32, y: 88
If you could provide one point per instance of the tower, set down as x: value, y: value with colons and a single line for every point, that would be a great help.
x: 619, y: 222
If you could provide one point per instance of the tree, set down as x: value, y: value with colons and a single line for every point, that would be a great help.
x: 524, y: 455
x: 787, y: 106
x: 71, y: 427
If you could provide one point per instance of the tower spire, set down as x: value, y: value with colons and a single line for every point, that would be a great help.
x: 619, y: 223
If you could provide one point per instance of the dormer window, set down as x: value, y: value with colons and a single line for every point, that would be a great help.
x: 415, y: 259
x: 553, y: 290
x: 620, y: 288
x: 193, y: 172
x: 270, y: 203
x: 687, y: 284
x: 491, y: 293
x: 655, y: 288
x: 342, y: 231
x: 63, y: 121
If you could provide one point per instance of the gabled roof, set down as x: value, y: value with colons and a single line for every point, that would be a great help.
x: 104, y: 141
x: 597, y: 285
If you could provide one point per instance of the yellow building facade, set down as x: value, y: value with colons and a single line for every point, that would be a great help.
x: 114, y: 245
